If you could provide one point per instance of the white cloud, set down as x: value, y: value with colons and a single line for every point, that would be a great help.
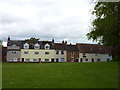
x: 47, y: 19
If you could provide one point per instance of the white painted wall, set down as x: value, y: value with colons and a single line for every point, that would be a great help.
x: 89, y: 56
x: 13, y: 56
x: 59, y: 56
x: 31, y: 54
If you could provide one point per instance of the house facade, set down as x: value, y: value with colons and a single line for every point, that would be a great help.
x: 41, y: 51
x: 60, y: 52
x: 4, y: 53
x: 49, y: 51
x: 13, y: 50
x: 0, y: 52
x: 94, y: 53
x: 72, y: 53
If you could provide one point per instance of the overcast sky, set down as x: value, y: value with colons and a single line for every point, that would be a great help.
x: 45, y: 19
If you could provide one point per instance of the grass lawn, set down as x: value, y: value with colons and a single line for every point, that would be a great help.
x: 60, y: 75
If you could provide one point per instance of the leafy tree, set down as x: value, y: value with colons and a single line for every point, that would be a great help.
x: 32, y: 39
x: 106, y: 26
x: 0, y: 43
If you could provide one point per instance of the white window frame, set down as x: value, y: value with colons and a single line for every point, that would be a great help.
x: 26, y: 46
x: 46, y: 59
x: 14, y: 45
x: 15, y: 59
x: 35, y: 60
x: 36, y: 53
x: 47, y: 52
x: 36, y: 46
x: 62, y: 59
x: 72, y: 53
x: 62, y: 53
x: 47, y: 45
x: 14, y: 52
x: 58, y: 52
x: 26, y: 51
x: 27, y: 60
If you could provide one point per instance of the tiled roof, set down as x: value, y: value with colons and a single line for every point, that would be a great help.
x: 83, y: 48
x: 31, y: 43
x: 17, y: 42
x: 93, y: 48
x: 63, y: 46
x: 72, y: 48
x: 60, y: 46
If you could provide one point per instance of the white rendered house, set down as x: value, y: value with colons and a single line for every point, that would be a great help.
x: 94, y: 53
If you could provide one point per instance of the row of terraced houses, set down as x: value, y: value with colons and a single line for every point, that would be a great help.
x: 49, y: 51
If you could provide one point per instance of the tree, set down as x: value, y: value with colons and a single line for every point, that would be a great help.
x: 0, y: 43
x: 106, y: 26
x: 32, y: 39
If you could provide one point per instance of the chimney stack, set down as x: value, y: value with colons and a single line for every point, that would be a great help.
x: 52, y: 41
x: 63, y: 41
x: 8, y: 38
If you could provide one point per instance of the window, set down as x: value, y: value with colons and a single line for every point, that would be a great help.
x: 86, y: 59
x: 14, y: 45
x: 14, y: 52
x: 15, y: 59
x: 35, y: 59
x: 11, y: 59
x: 46, y: 52
x: 98, y: 60
x: 62, y: 60
x: 57, y: 52
x: 72, y: 53
x: 46, y: 60
x: 47, y: 46
x: 84, y: 54
x: 36, y: 52
x: 26, y: 45
x: 62, y: 52
x: 72, y: 59
x: 25, y: 52
x: 36, y: 46
x: 109, y: 55
x: 27, y: 59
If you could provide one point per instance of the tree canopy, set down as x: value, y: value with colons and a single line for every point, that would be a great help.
x: 106, y: 26
x: 0, y: 43
x: 33, y: 39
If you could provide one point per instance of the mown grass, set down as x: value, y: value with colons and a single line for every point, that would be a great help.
x: 60, y: 75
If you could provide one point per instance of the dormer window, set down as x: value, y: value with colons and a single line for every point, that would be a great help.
x: 47, y: 46
x: 26, y: 46
x: 14, y: 45
x: 36, y: 46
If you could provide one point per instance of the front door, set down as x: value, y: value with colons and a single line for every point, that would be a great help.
x: 52, y: 60
x: 81, y: 60
x: 77, y: 60
x: 39, y: 59
x: 22, y: 59
x: 57, y: 60
x: 92, y: 59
